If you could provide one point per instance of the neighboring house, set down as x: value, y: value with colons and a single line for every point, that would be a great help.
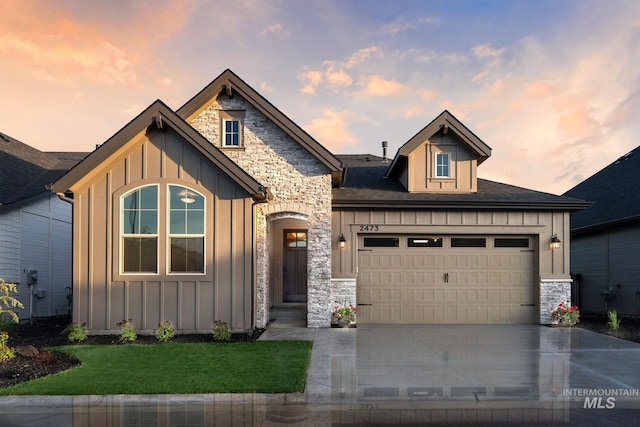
x: 35, y: 228
x: 605, y: 239
x: 226, y: 209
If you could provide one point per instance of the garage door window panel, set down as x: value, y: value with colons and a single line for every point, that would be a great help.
x: 468, y: 242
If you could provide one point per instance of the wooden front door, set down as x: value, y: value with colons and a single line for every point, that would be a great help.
x: 294, y: 269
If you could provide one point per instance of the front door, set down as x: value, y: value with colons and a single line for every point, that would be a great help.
x: 294, y: 269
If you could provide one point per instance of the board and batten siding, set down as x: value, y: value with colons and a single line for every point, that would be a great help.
x: 191, y: 302
x: 607, y: 262
x: 540, y: 224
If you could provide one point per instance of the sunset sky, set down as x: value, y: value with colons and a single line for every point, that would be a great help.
x: 552, y: 86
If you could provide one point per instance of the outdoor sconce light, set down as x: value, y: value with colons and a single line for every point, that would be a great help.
x: 342, y: 242
x: 555, y: 242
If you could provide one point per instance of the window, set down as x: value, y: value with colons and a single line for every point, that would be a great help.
x: 381, y: 242
x: 296, y: 239
x: 424, y: 242
x: 186, y: 230
x: 468, y: 242
x: 232, y: 124
x: 511, y: 242
x: 140, y: 230
x: 442, y: 165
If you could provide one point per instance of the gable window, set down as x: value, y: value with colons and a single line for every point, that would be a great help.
x: 140, y: 230
x: 232, y: 124
x: 442, y: 165
x: 186, y: 230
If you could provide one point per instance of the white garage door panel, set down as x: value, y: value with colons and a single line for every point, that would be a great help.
x: 446, y: 285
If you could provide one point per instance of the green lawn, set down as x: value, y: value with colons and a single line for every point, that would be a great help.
x: 252, y: 367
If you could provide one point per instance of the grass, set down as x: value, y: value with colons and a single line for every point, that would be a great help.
x: 171, y: 368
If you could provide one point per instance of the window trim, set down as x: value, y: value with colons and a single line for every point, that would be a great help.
x: 169, y: 235
x: 437, y: 165
x: 122, y: 235
x: 227, y: 116
x: 115, y: 237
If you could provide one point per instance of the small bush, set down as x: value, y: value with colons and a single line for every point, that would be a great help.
x: 6, y: 352
x: 127, y: 331
x: 165, y: 331
x: 221, y: 331
x: 614, y: 321
x: 7, y: 302
x: 77, y: 332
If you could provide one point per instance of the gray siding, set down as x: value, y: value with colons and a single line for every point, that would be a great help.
x: 103, y: 296
x: 36, y: 235
x: 605, y: 260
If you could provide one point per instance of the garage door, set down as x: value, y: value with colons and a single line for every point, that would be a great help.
x: 446, y: 279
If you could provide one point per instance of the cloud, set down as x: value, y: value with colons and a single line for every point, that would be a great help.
x: 275, y: 30
x: 164, y: 81
x: 332, y: 130
x: 265, y: 87
x: 361, y: 55
x: 378, y: 86
x: 337, y: 79
x: 312, y: 79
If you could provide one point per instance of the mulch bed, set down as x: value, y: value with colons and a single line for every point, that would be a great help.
x: 48, y: 333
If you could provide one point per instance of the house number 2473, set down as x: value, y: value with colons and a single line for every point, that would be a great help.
x: 369, y: 228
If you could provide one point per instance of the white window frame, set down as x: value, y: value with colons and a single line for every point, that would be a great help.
x: 123, y: 235
x: 438, y: 164
x: 169, y: 235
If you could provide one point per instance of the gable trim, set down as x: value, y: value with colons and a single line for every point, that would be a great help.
x: 158, y: 116
x: 229, y: 83
x: 446, y: 122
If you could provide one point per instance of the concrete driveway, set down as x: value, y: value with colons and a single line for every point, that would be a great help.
x: 392, y: 375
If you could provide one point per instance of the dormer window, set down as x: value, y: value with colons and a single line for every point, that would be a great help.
x: 442, y: 165
x: 232, y: 123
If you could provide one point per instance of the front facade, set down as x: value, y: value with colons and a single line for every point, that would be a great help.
x: 225, y: 209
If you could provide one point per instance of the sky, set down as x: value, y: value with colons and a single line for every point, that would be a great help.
x: 552, y: 86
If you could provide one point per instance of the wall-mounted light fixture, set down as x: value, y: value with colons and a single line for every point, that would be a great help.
x: 555, y: 242
x: 342, y: 242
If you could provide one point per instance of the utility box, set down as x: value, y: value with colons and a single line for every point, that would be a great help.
x: 32, y: 277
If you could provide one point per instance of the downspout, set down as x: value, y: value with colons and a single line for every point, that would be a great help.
x: 69, y: 200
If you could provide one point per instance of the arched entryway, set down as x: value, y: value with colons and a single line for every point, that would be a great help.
x: 288, y: 266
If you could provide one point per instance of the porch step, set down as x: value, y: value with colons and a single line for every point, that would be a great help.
x: 289, y: 312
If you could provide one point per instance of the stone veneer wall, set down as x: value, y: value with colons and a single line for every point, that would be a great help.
x: 298, y: 182
x: 552, y: 293
x: 343, y: 292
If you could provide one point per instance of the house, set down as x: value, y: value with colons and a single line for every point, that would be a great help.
x: 35, y: 228
x: 605, y: 238
x: 227, y: 210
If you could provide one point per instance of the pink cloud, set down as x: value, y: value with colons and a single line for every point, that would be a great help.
x: 378, y: 86
x: 332, y: 130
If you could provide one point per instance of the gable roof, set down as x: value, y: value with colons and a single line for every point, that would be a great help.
x: 230, y: 83
x: 366, y: 187
x: 159, y: 116
x: 26, y: 171
x: 448, y: 123
x: 615, y: 193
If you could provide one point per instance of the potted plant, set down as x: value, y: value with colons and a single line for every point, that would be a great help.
x: 566, y: 314
x: 343, y: 316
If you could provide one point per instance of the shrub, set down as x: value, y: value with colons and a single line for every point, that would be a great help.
x: 614, y: 321
x: 165, y: 331
x: 6, y: 352
x: 77, y: 332
x: 127, y: 331
x: 7, y: 302
x: 221, y: 331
